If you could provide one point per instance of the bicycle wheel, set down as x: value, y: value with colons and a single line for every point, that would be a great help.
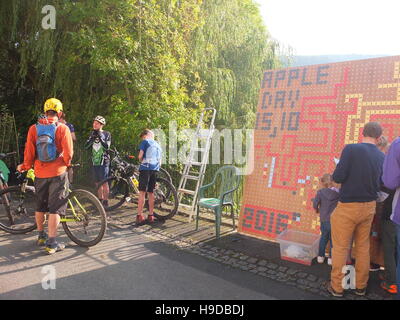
x: 119, y: 191
x: 17, y: 210
x: 85, y: 219
x: 165, y: 199
x: 165, y: 175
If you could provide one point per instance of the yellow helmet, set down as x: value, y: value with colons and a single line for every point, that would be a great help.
x: 53, y: 104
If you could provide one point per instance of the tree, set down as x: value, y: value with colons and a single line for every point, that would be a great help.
x: 137, y: 63
x: 230, y: 50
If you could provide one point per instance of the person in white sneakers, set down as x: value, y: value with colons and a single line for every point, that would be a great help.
x: 324, y: 203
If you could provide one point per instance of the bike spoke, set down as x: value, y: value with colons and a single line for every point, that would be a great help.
x: 17, y: 210
x: 85, y: 219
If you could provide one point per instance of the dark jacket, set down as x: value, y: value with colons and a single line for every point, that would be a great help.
x: 359, y: 172
x: 387, y: 204
x: 103, y: 139
x: 325, y: 202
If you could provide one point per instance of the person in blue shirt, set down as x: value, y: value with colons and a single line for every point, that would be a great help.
x: 150, y: 162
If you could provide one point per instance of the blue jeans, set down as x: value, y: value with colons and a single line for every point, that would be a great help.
x: 325, y: 238
x: 398, y: 260
x: 100, y: 172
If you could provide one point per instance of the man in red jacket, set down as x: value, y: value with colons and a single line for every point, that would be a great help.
x: 51, y: 177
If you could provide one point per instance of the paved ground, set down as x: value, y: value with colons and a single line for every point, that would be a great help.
x: 245, y: 253
x: 169, y: 260
x: 127, y: 265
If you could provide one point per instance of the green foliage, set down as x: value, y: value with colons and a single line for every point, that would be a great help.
x: 138, y: 63
x: 230, y: 50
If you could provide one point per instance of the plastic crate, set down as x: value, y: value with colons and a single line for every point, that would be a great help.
x: 297, y: 246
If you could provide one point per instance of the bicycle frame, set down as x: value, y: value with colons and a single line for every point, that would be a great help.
x: 31, y: 176
x: 133, y: 181
x: 76, y: 218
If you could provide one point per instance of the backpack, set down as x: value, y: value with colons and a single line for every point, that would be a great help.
x: 46, y: 150
x: 153, y: 154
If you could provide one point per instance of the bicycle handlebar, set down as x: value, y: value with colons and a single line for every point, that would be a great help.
x: 21, y: 175
x: 114, y: 151
x: 5, y: 155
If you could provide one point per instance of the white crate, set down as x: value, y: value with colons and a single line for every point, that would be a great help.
x: 297, y: 246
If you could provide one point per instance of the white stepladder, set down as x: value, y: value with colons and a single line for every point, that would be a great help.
x: 205, y: 136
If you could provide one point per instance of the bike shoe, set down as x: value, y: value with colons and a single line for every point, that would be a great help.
x: 41, y: 240
x: 53, y: 248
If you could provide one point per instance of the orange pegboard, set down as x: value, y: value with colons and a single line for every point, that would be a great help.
x: 305, y: 117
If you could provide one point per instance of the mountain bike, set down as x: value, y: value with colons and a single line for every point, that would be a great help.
x: 84, y: 220
x: 161, y: 174
x: 3, y: 183
x: 124, y: 187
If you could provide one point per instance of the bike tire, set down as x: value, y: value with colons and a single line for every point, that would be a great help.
x: 94, y: 217
x: 170, y: 204
x: 119, y: 191
x: 17, y: 210
x: 166, y: 174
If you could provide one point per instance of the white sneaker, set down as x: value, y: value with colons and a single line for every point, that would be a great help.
x: 320, y: 259
x: 329, y: 261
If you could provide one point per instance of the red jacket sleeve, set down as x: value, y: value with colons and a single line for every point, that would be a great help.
x: 30, y: 149
x: 67, y: 146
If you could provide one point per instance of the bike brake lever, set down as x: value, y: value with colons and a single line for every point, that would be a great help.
x: 21, y: 175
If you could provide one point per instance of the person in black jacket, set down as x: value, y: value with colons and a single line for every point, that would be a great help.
x: 100, y: 142
x: 359, y: 172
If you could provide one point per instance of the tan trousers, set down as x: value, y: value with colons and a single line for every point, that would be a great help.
x: 351, y: 220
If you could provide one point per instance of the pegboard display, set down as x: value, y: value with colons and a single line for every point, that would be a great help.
x: 305, y: 116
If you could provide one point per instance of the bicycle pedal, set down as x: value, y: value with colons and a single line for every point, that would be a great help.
x: 128, y: 199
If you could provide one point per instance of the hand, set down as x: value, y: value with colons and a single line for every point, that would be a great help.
x: 19, y: 168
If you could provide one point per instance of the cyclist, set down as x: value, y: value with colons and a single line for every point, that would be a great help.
x: 4, y: 173
x: 100, y: 142
x: 73, y: 135
x: 69, y: 125
x: 150, y: 163
x: 49, y: 151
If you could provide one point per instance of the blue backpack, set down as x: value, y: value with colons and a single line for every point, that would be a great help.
x: 46, y: 142
x: 153, y: 156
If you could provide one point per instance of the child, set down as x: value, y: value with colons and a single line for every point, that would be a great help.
x: 324, y: 203
x: 150, y: 162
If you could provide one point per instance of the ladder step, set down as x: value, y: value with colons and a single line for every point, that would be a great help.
x: 187, y: 191
x: 202, y: 136
x: 187, y: 206
x: 190, y: 173
x: 191, y: 177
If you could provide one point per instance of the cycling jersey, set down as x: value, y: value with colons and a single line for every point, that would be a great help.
x: 100, y: 142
